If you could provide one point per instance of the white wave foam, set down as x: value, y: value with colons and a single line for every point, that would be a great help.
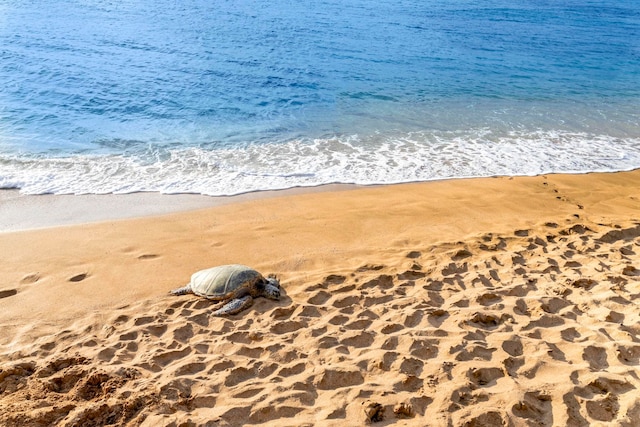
x: 375, y: 159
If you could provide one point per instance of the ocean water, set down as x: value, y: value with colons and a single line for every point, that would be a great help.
x: 222, y: 97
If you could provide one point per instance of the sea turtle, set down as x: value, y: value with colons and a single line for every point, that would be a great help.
x: 234, y: 285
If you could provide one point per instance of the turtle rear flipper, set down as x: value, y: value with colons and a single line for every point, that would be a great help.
x: 234, y: 306
x: 182, y: 291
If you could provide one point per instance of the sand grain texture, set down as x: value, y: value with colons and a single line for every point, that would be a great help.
x: 494, y: 302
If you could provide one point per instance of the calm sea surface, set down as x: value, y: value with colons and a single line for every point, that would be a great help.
x: 224, y: 97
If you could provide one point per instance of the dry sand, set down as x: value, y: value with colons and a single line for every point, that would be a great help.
x: 485, y: 302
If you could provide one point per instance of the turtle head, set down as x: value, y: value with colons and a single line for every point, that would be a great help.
x: 272, y: 288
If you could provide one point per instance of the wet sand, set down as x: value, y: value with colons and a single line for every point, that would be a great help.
x: 24, y: 212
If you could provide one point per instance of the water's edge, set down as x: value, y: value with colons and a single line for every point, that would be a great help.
x: 20, y: 212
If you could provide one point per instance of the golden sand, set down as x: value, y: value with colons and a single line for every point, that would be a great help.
x: 483, y: 302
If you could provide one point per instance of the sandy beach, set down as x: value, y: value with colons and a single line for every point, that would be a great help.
x: 476, y: 302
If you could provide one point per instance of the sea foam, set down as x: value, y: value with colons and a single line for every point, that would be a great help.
x: 374, y: 159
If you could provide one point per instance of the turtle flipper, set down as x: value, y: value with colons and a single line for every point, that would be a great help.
x: 234, y: 306
x: 182, y: 291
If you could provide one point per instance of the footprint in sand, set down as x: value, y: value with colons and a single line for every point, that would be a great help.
x: 334, y: 279
x: 30, y: 278
x: 603, y: 408
x: 409, y: 383
x: 359, y: 325
x: 513, y: 347
x: 79, y: 277
x: 411, y: 275
x: 576, y: 229
x: 386, y: 361
x: 410, y: 366
x: 338, y: 320
x: 391, y: 328
x: 437, y: 317
x: 346, y: 302
x: 8, y: 293
x: 629, y: 355
x: 485, y: 376
x: 461, y: 254
x: 586, y: 284
x: 358, y: 340
x: 596, y: 357
x: 319, y: 298
x: 535, y: 406
x: 287, y: 326
x: 424, y: 349
x: 413, y: 319
x: 292, y: 369
x: 472, y: 352
x: 309, y: 311
x: 282, y: 313
x: 488, y: 299
x: 381, y: 282
x: 369, y: 267
x: 488, y: 320
x: 491, y: 418
x: 627, y: 251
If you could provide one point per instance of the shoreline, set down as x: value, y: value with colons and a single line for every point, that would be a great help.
x: 488, y: 301
x: 19, y: 212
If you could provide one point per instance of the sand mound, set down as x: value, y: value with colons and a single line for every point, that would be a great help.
x: 539, y: 327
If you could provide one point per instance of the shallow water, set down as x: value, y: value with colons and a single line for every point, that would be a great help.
x: 226, y: 97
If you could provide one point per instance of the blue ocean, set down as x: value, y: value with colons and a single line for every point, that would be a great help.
x: 222, y: 97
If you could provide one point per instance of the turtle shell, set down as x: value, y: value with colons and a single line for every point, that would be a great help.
x: 223, y: 281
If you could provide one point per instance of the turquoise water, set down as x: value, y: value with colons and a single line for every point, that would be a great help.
x: 225, y: 97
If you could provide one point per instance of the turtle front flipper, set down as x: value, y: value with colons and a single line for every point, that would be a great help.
x: 182, y: 291
x: 234, y: 306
